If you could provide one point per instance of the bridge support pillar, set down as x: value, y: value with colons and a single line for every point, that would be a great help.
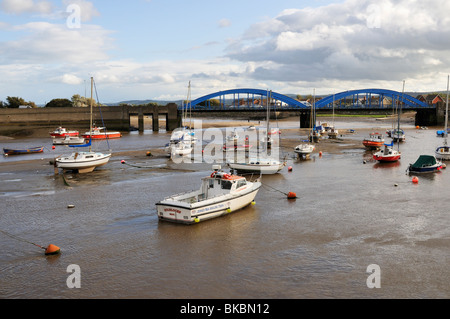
x: 155, y: 120
x: 305, y: 117
x: 426, y: 117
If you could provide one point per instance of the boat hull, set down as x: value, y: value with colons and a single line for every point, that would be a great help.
x: 102, y: 136
x: 372, y: 144
x: 387, y: 159
x: 185, y: 213
x: 82, y: 165
x: 443, y: 153
x: 262, y: 169
x: 430, y: 169
x: 8, y: 151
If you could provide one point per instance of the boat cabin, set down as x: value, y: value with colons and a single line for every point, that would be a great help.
x: 220, y: 183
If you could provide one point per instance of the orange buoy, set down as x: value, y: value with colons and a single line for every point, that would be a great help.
x: 291, y: 195
x: 53, y: 147
x: 417, y: 127
x: 52, y: 250
x: 320, y: 153
x: 415, y: 180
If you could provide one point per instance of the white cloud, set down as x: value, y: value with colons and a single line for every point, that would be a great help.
x: 354, y: 40
x: 25, y: 6
x: 71, y: 79
x: 53, y: 43
x: 87, y: 9
x: 223, y: 23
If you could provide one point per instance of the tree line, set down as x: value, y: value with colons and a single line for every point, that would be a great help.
x: 76, y: 101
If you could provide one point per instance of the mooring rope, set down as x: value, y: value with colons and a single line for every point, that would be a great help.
x: 21, y: 239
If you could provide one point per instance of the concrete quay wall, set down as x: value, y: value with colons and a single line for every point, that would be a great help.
x: 77, y: 118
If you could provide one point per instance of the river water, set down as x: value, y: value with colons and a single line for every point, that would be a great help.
x: 350, y: 213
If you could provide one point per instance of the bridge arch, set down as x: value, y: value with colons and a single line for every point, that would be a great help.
x: 408, y: 100
x: 290, y: 102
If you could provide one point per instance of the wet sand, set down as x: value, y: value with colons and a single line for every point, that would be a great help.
x: 289, y: 139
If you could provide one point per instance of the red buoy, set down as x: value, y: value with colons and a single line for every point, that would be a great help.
x: 290, y: 168
x: 53, y: 147
x: 291, y: 195
x: 122, y: 161
x: 52, y: 250
x: 415, y: 180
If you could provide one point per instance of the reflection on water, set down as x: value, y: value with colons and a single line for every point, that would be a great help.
x: 348, y: 214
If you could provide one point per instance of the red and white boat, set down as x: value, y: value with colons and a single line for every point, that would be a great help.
x: 374, y: 141
x: 388, y: 154
x: 63, y: 132
x: 99, y: 133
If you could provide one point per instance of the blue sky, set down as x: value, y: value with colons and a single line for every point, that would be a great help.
x: 151, y: 49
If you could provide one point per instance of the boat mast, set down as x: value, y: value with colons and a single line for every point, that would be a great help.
x: 268, y: 116
x: 90, y: 121
x: 446, y: 112
x: 398, y: 120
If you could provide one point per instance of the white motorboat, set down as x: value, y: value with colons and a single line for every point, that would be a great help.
x: 304, y: 149
x: 182, y: 148
x: 443, y: 152
x: 68, y: 140
x: 219, y: 194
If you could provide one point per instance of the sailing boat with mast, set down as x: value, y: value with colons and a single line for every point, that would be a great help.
x: 83, y: 161
x: 389, y: 154
x: 443, y: 152
x: 182, y: 138
x: 333, y: 132
x: 260, y: 164
x: 305, y: 149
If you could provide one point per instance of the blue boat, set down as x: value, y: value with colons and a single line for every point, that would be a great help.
x: 10, y: 151
x: 426, y: 164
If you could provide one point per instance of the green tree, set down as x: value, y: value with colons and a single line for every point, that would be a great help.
x: 59, y: 103
x: 14, y: 102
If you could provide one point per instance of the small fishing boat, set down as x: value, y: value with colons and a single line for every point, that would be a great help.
x: 219, y: 194
x: 62, y: 132
x: 374, y: 141
x: 251, y: 128
x: 398, y: 135
x: 426, y: 164
x: 333, y: 132
x: 443, y: 152
x: 15, y: 151
x: 182, y: 148
x: 304, y: 149
x: 68, y: 140
x: 388, y: 154
x: 442, y: 133
x: 100, y: 133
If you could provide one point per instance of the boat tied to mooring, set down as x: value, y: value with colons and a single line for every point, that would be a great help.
x: 220, y: 193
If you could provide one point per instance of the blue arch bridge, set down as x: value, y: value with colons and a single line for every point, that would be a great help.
x: 353, y: 101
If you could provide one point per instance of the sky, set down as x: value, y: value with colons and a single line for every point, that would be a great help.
x: 152, y: 49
